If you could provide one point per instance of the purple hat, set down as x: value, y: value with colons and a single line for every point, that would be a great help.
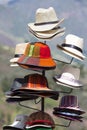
x: 68, y: 116
x: 69, y: 103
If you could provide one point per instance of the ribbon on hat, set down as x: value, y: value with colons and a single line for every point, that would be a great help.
x: 72, y: 46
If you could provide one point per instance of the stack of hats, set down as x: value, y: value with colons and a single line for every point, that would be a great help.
x: 47, y: 24
x: 36, y: 56
x: 69, y: 109
x: 30, y: 87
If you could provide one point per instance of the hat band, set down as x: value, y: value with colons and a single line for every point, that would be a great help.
x: 17, y: 55
x: 72, y: 46
x: 53, y: 22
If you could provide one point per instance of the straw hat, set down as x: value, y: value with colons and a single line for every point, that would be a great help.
x: 69, y: 77
x: 73, y: 46
x: 19, y: 50
x: 45, y: 20
x: 58, y: 31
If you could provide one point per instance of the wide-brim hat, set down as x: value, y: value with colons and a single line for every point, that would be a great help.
x: 16, y: 99
x: 19, y: 50
x: 58, y: 31
x: 16, y: 84
x: 37, y: 55
x: 68, y: 116
x: 38, y: 85
x: 69, y: 103
x: 43, y: 22
x: 18, y: 124
x: 69, y: 76
x: 73, y: 46
x: 40, y: 118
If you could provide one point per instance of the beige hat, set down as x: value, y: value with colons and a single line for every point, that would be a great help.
x: 46, y: 19
x: 69, y: 77
x: 73, y: 46
x: 19, y: 50
x: 58, y: 31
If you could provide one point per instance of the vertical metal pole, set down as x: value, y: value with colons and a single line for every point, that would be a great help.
x: 42, y: 100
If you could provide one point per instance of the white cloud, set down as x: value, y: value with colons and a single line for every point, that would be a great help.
x: 3, y: 2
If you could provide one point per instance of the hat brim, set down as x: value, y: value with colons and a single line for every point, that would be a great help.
x: 44, y: 27
x: 11, y: 127
x: 39, y: 125
x: 68, y: 117
x: 15, y: 59
x: 19, y: 99
x: 48, y: 34
x: 14, y: 64
x: 35, y: 68
x: 43, y: 93
x: 76, y: 84
x: 46, y: 63
x: 70, y: 110
x: 72, y: 52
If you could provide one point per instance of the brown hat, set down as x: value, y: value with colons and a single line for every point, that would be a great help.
x: 40, y: 117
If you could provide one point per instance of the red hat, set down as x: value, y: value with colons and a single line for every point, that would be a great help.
x: 37, y: 55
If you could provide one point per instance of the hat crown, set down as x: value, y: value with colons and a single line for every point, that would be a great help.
x: 71, y: 72
x: 21, y: 118
x: 45, y: 15
x: 38, y: 49
x: 69, y: 101
x: 36, y: 81
x: 19, y: 121
x: 41, y: 116
x: 20, y: 48
x: 74, y: 40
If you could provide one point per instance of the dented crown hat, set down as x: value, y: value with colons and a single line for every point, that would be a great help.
x: 69, y: 77
x: 45, y: 20
x: 19, y: 50
x: 73, y: 46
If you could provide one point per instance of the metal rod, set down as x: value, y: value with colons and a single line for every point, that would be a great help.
x: 68, y: 92
x: 64, y: 125
x: 28, y: 107
x: 42, y: 104
x: 63, y: 61
x: 42, y: 99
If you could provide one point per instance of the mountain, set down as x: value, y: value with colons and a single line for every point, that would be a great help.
x: 16, y: 14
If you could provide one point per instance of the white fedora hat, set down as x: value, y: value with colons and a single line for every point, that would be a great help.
x: 19, y: 123
x: 69, y: 77
x: 58, y: 31
x: 73, y: 46
x: 19, y: 50
x: 46, y: 19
